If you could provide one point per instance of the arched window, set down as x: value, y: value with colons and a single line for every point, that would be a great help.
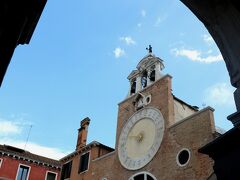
x: 143, y: 176
x: 152, y: 75
x: 133, y: 86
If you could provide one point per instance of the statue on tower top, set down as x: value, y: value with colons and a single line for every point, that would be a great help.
x: 149, y: 49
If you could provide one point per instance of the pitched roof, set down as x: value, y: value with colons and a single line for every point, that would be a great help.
x: 85, y: 148
x: 183, y: 102
x: 21, y: 154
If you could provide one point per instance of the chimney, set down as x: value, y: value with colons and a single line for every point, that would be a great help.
x: 82, y: 133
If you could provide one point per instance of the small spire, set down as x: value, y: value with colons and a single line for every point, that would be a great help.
x: 149, y: 49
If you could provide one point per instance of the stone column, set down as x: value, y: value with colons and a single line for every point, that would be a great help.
x: 138, y: 83
x: 130, y: 87
x: 148, y: 79
x: 237, y: 98
x: 157, y: 72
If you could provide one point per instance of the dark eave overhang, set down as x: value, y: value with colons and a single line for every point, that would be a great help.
x: 18, y: 21
x: 222, y: 144
x: 56, y: 165
x: 84, y: 149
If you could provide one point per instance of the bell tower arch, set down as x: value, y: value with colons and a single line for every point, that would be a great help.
x: 149, y: 70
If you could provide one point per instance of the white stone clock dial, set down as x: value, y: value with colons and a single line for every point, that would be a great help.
x: 140, y: 138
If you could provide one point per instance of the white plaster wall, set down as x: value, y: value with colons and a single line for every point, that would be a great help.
x: 181, y: 110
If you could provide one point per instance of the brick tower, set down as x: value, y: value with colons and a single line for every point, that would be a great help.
x: 158, y: 135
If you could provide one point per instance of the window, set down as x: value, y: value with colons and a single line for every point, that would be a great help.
x: 23, y: 172
x: 84, y: 162
x: 142, y: 176
x: 152, y: 76
x: 51, y: 175
x: 133, y: 86
x: 139, y: 177
x: 1, y: 161
x: 183, y: 157
x: 66, y: 170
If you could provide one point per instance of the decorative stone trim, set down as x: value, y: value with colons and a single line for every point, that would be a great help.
x: 183, y: 157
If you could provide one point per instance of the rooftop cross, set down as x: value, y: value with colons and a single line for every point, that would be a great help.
x: 149, y: 49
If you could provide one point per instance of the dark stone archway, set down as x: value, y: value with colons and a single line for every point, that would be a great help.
x: 18, y: 20
x: 222, y: 20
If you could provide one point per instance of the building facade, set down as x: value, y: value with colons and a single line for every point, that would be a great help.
x: 158, y: 135
x: 18, y: 164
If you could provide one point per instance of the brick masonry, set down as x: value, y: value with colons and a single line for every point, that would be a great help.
x: 191, y: 133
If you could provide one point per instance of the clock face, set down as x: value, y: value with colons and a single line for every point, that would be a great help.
x: 140, y: 138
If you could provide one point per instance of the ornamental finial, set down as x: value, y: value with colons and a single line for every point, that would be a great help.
x: 149, y: 49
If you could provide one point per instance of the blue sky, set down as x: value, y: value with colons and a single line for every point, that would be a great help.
x: 77, y: 64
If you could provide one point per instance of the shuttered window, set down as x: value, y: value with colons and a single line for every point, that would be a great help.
x: 84, y: 162
x: 66, y: 170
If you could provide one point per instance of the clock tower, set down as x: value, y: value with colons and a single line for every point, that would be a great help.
x: 155, y: 129
x: 157, y: 138
x: 140, y: 121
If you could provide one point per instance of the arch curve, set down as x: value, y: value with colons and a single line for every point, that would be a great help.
x: 143, y: 174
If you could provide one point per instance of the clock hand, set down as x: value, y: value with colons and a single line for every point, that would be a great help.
x: 139, y: 137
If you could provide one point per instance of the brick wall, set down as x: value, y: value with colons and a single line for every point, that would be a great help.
x: 190, y: 133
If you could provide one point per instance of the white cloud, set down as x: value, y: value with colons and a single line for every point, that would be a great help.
x: 118, y: 52
x: 196, y: 55
x: 9, y: 127
x: 143, y: 13
x: 34, y: 148
x: 12, y: 132
x: 128, y: 40
x: 219, y: 94
x: 208, y: 39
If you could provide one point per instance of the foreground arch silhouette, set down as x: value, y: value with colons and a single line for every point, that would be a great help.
x: 222, y: 20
